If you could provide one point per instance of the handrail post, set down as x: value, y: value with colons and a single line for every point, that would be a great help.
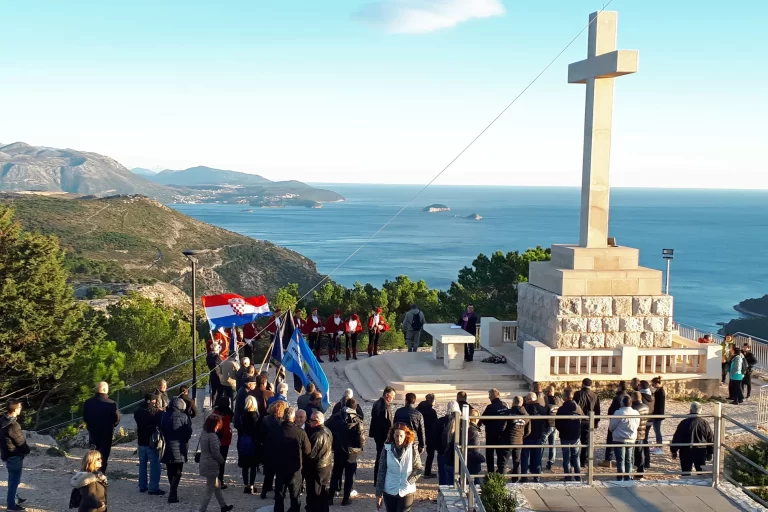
x: 456, y: 442
x: 719, y: 438
x: 464, y: 443
x: 591, y: 449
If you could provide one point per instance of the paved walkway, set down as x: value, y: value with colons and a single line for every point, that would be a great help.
x: 661, y: 498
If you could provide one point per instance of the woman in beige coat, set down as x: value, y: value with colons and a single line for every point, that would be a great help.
x: 210, y: 461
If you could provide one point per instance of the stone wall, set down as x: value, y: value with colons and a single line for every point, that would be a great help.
x: 593, y: 321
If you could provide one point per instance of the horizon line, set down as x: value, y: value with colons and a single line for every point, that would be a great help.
x: 637, y: 187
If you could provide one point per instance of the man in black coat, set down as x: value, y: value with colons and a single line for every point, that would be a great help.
x: 409, y: 416
x: 248, y: 389
x: 569, y: 431
x: 101, y: 417
x: 13, y: 449
x: 426, y: 408
x: 693, y: 430
x: 348, y: 443
x: 468, y: 322
x: 147, y: 418
x: 515, y: 431
x: 588, y: 401
x: 494, y: 430
x: 318, y: 464
x: 294, y: 446
x: 315, y: 404
x: 532, y: 456
x: 381, y: 423
x: 348, y: 393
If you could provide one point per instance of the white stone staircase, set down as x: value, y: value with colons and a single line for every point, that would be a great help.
x: 419, y: 373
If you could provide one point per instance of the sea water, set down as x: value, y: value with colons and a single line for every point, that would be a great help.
x: 719, y: 236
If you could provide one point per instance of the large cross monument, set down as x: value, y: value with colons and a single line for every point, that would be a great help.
x: 595, y: 294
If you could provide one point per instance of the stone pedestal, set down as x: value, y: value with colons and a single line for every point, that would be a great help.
x: 448, y: 342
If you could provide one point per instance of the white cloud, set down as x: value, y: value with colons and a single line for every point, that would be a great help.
x: 420, y: 16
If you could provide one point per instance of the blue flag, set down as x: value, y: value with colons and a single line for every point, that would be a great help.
x: 300, y: 360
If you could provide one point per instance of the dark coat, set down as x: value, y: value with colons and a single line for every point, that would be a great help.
x: 381, y: 420
x: 271, y: 433
x: 616, y: 402
x: 293, y: 447
x: 441, y: 439
x: 240, y: 398
x: 348, y: 435
x: 648, y: 400
x: 303, y: 401
x: 552, y: 405
x: 517, y: 429
x: 588, y: 401
x: 358, y: 410
x: 177, y: 430
x: 494, y: 429
x: 93, y: 491
x: 569, y: 430
x: 12, y: 442
x: 101, y: 417
x: 147, y: 421
x: 474, y: 456
x: 471, y: 323
x: 321, y: 454
x: 310, y: 410
x: 411, y: 417
x: 693, y: 430
x: 642, y: 429
x: 248, y: 443
x: 262, y: 395
x: 191, y: 409
x: 538, y: 427
x: 659, y: 401
x: 430, y: 418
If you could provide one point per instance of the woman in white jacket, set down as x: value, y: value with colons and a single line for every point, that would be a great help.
x: 399, y: 468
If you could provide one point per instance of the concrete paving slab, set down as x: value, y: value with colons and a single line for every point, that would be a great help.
x: 534, y: 500
x: 589, y: 497
x: 559, y: 501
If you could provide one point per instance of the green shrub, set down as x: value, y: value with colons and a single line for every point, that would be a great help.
x: 745, y: 473
x: 495, y: 495
x: 66, y: 433
x: 96, y: 292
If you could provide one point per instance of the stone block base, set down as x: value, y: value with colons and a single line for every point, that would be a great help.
x: 589, y: 322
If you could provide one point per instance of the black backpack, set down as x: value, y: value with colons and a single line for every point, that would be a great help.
x: 75, y: 498
x: 157, y: 442
x: 416, y: 323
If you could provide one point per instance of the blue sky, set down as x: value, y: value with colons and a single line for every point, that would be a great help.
x: 387, y: 91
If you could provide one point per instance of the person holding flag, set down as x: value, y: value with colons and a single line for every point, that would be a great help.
x: 376, y: 325
x: 274, y: 322
x: 301, y: 361
x: 352, y: 327
x: 313, y: 329
x: 335, y: 329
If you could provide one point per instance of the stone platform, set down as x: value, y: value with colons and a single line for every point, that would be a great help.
x: 420, y: 373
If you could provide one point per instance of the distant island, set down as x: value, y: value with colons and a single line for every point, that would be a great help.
x: 436, y: 208
x: 753, y: 307
x: 474, y: 216
x: 756, y: 322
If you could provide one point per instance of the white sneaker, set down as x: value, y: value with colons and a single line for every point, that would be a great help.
x: 657, y: 451
x: 352, y: 493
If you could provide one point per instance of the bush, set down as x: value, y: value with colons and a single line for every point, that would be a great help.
x: 66, y: 433
x: 495, y: 496
x: 96, y: 292
x: 745, y: 473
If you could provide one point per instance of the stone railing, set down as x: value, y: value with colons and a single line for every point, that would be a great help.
x: 545, y: 364
x: 494, y: 333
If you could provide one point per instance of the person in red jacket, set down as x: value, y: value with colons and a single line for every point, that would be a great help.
x: 312, y: 330
x: 352, y: 328
x: 376, y: 325
x: 221, y: 336
x: 274, y: 322
x: 334, y: 328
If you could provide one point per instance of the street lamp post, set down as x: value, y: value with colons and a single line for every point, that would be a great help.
x: 190, y: 254
x: 668, y: 254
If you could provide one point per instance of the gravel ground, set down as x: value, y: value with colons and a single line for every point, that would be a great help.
x: 45, y: 481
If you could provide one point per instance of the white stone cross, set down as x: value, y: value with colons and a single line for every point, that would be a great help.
x: 602, y: 65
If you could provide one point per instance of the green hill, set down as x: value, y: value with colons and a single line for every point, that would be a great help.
x: 135, y: 238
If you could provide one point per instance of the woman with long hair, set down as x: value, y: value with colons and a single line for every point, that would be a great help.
x: 211, y: 460
x: 224, y: 411
x: 247, y: 444
x: 659, y: 407
x: 399, y: 468
x: 91, y: 483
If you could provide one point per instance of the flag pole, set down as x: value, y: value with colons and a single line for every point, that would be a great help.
x: 269, y: 351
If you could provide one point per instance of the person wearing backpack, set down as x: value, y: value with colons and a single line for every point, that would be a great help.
x: 412, y: 325
x: 150, y: 442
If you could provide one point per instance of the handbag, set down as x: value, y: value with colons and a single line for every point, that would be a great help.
x: 197, y: 452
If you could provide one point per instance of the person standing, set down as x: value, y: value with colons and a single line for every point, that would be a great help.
x: 532, y: 456
x: 348, y: 444
x: 177, y: 430
x: 494, y: 433
x: 91, y: 483
x: 641, y: 455
x: 376, y: 326
x: 101, y: 417
x: 247, y: 444
x: 625, y: 434
x: 243, y: 372
x: 381, y: 423
x: 693, y: 430
x: 468, y: 322
x: 444, y: 442
x: 248, y: 389
x: 262, y: 394
x: 13, y: 449
x: 621, y: 392
x: 229, y: 369
x: 588, y: 401
x: 751, y: 361
x: 147, y: 418
x: 282, y: 394
x: 318, y: 464
x: 552, y: 404
x: 515, y: 431
x: 271, y: 434
x: 334, y: 327
x: 399, y: 469
x: 303, y: 401
x: 412, y: 324
x: 313, y: 329
x: 293, y: 446
x: 214, y: 360
x: 737, y: 370
x: 409, y: 416
x: 211, y: 460
x: 427, y: 410
x: 191, y: 409
x: 224, y: 432
x: 315, y: 404
x: 475, y: 459
x: 570, y: 434
x: 352, y: 329
x: 726, y: 345
x: 659, y: 407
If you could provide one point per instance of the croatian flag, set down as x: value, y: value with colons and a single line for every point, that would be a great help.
x: 228, y: 309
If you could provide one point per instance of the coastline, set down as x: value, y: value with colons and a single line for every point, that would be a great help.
x: 748, y: 313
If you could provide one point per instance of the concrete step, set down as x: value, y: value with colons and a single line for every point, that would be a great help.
x: 480, y: 387
x: 362, y: 385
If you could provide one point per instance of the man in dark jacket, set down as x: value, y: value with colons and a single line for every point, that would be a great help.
x: 552, y: 404
x: 621, y: 392
x: 746, y: 382
x: 412, y: 418
x: 303, y: 401
x: 101, y: 417
x: 13, y: 449
x: 461, y: 399
x: 248, y: 389
x: 693, y: 430
x: 426, y: 408
x: 532, y: 456
x: 642, y: 408
x: 570, y: 431
x: 318, y: 464
x: 381, y: 423
x: 270, y: 434
x: 262, y: 394
x: 162, y: 395
x: 348, y: 443
x: 315, y: 404
x: 294, y: 446
x: 646, y: 393
x: 588, y: 401
x: 494, y: 433
x: 468, y: 322
x: 147, y: 418
x: 515, y: 431
x: 191, y: 409
x: 341, y: 404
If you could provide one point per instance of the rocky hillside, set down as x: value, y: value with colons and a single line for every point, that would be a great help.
x: 133, y: 238
x: 25, y: 167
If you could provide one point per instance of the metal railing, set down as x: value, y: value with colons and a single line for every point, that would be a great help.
x: 758, y: 345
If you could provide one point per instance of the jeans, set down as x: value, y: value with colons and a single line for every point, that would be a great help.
x: 549, y: 438
x: 13, y: 465
x: 532, y: 458
x: 149, y: 456
x: 642, y: 455
x: 624, y: 459
x: 212, y: 487
x: 657, y: 429
x: 584, y: 445
x: 412, y: 339
x: 571, y: 459
x: 444, y: 471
